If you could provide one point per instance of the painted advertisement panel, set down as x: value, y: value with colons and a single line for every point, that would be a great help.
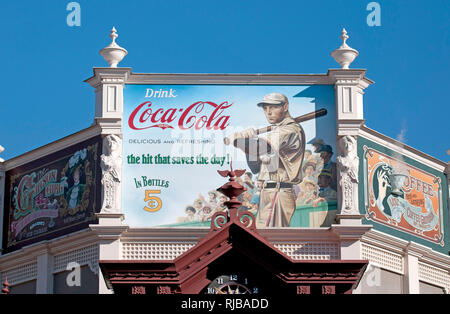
x: 402, y: 196
x: 52, y: 196
x: 176, y: 137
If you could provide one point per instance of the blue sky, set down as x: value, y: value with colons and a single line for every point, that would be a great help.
x: 44, y: 61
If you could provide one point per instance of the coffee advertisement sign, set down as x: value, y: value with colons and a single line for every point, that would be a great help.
x: 402, y: 196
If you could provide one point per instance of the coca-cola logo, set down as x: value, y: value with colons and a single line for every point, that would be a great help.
x: 201, y: 114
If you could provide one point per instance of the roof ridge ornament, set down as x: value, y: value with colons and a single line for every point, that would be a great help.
x: 344, y: 55
x: 113, y: 53
x: 232, y: 189
x: 6, y: 285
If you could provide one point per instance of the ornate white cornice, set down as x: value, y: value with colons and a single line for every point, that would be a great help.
x: 332, y: 77
x: 52, y: 147
x: 222, y: 78
x: 402, y: 148
x: 356, y: 77
x: 108, y: 76
x: 105, y: 232
x: 349, y: 232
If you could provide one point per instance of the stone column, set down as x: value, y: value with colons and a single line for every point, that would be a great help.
x: 109, y: 84
x: 109, y: 246
x: 349, y: 86
x: 44, y: 282
x: 411, y: 266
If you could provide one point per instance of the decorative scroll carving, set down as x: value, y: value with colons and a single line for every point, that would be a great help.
x: 348, y: 165
x: 111, y: 164
x: 219, y: 220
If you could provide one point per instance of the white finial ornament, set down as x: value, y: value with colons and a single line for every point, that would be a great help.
x: 344, y: 55
x: 113, y: 53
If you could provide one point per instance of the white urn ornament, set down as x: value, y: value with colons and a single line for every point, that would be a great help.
x: 344, y: 55
x: 113, y: 53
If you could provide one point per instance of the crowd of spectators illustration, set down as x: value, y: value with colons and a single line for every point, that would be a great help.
x: 318, y: 185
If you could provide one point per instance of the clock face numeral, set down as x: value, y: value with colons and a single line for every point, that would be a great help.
x: 232, y: 284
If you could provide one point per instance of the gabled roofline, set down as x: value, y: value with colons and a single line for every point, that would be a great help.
x: 399, y: 146
x: 52, y: 147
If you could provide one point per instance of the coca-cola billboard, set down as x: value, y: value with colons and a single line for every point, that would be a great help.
x: 146, y: 116
x: 176, y: 137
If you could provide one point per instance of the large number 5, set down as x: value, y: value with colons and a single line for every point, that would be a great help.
x: 153, y: 202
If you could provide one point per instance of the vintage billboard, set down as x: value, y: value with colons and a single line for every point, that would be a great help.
x: 403, y: 195
x: 52, y: 196
x: 176, y: 137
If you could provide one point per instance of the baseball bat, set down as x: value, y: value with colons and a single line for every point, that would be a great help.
x: 302, y: 118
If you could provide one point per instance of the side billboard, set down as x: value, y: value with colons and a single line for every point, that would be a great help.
x: 52, y: 196
x: 402, y: 196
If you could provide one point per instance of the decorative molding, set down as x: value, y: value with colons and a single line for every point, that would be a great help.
x: 350, y: 232
x: 384, y: 258
x: 154, y: 250
x: 349, y: 127
x: 52, y: 147
x: 434, y: 276
x: 309, y: 250
x: 390, y: 253
x: 355, y: 77
x: 253, y: 79
x: 83, y: 256
x: 110, y: 75
x: 20, y: 274
x: 30, y: 254
x: 171, y: 250
x: 329, y: 78
x: 114, y: 80
x: 402, y: 148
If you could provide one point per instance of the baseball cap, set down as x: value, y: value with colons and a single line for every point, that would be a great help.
x: 273, y: 99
